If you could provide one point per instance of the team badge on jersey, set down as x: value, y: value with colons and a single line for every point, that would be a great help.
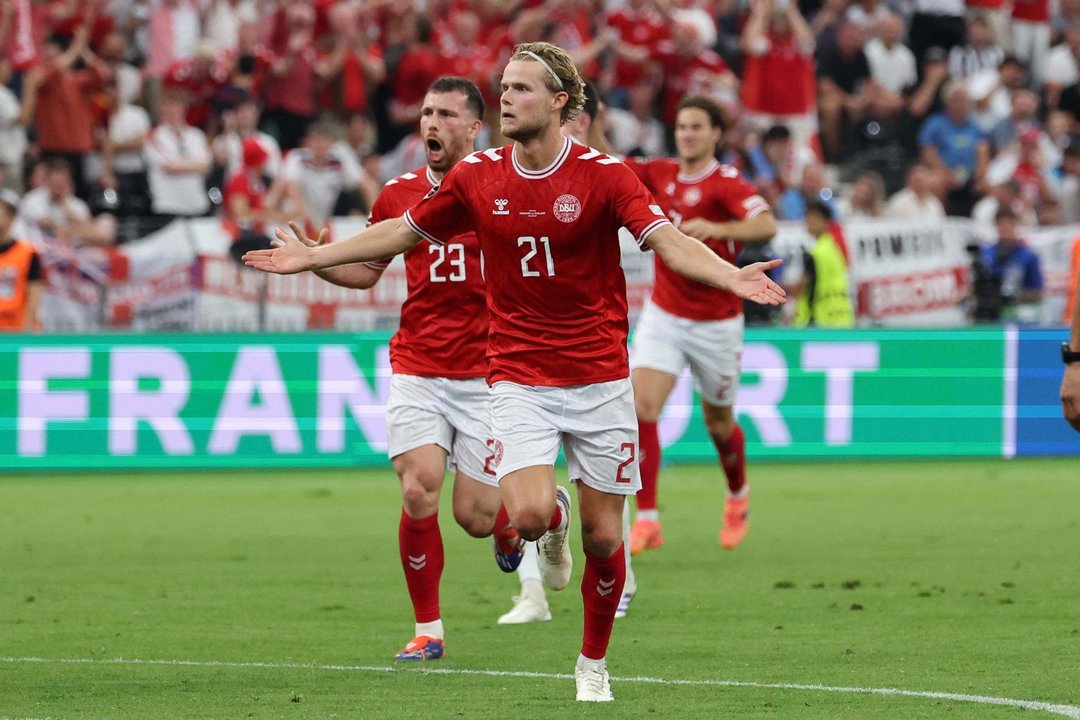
x: 567, y: 208
x: 692, y: 196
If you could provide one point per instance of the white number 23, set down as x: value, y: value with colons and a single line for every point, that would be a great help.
x: 454, y: 257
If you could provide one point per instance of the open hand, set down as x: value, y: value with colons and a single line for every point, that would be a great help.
x: 751, y: 283
x: 294, y: 254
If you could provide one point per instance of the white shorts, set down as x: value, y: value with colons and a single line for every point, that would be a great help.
x: 439, y: 411
x: 595, y: 424
x: 712, y: 349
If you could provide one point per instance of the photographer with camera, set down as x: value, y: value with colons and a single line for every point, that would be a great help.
x: 1008, y: 282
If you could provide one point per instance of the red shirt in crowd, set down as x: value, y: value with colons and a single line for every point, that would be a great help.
x: 780, y: 79
x: 640, y: 28
x: 693, y: 76
x: 556, y: 291
x: 1036, y: 11
x: 716, y: 194
x: 63, y: 116
x: 293, y: 91
x: 350, y: 92
x: 417, y: 69
x: 200, y: 87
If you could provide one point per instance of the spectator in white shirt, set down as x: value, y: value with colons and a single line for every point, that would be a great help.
x: 636, y: 131
x: 241, y: 123
x: 1063, y: 65
x: 322, y: 179
x: 53, y: 211
x: 122, y: 164
x: 916, y: 201
x: 179, y: 161
x: 892, y: 64
x: 12, y: 133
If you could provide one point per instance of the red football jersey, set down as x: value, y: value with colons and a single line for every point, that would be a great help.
x: 1037, y: 11
x: 556, y: 291
x: 716, y: 194
x: 444, y: 320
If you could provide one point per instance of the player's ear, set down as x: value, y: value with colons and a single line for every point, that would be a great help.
x: 559, y: 100
x: 474, y: 129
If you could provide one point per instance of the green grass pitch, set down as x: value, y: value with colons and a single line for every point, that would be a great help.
x: 953, y: 577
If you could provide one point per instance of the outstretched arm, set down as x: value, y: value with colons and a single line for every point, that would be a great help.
x: 377, y: 242
x: 692, y: 259
x: 357, y: 276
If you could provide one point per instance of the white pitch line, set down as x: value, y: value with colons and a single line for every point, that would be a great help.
x: 1069, y: 711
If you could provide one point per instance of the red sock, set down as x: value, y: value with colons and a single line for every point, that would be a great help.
x: 556, y: 518
x: 421, y: 548
x: 502, y: 520
x: 601, y: 589
x: 733, y: 458
x: 649, y: 441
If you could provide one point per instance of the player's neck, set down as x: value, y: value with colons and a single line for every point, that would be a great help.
x: 693, y: 166
x: 539, y: 152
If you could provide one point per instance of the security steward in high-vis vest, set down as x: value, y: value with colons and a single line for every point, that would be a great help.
x: 21, y: 277
x: 823, y: 297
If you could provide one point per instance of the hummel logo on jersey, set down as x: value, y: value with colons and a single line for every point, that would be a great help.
x: 418, y: 563
x: 500, y: 207
x: 605, y: 588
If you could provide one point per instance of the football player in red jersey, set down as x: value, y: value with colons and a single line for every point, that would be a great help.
x: 438, y: 396
x: 547, y: 212
x: 690, y: 323
x: 585, y: 128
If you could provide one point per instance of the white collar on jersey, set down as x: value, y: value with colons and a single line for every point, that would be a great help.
x: 709, y: 170
x: 431, y: 177
x: 549, y: 170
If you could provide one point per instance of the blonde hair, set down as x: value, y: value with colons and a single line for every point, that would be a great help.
x: 561, y: 74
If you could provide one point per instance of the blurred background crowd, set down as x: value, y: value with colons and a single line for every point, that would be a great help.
x: 117, y: 116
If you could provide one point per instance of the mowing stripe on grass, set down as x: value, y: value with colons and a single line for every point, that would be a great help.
x: 1069, y: 711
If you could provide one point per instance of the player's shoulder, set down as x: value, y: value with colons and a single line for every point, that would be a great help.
x: 421, y: 177
x: 725, y: 176
x: 488, y: 159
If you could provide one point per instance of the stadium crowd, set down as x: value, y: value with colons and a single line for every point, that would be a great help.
x: 118, y: 115
x: 147, y: 104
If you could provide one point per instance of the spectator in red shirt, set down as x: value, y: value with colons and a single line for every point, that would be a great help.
x: 248, y: 207
x: 59, y: 97
x: 291, y: 78
x: 418, y: 66
x: 200, y: 77
x: 690, y: 68
x: 17, y: 36
x: 641, y: 30
x: 778, y: 71
x: 465, y: 56
x: 354, y: 66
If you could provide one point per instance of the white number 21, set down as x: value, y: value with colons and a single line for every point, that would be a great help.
x: 527, y: 271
